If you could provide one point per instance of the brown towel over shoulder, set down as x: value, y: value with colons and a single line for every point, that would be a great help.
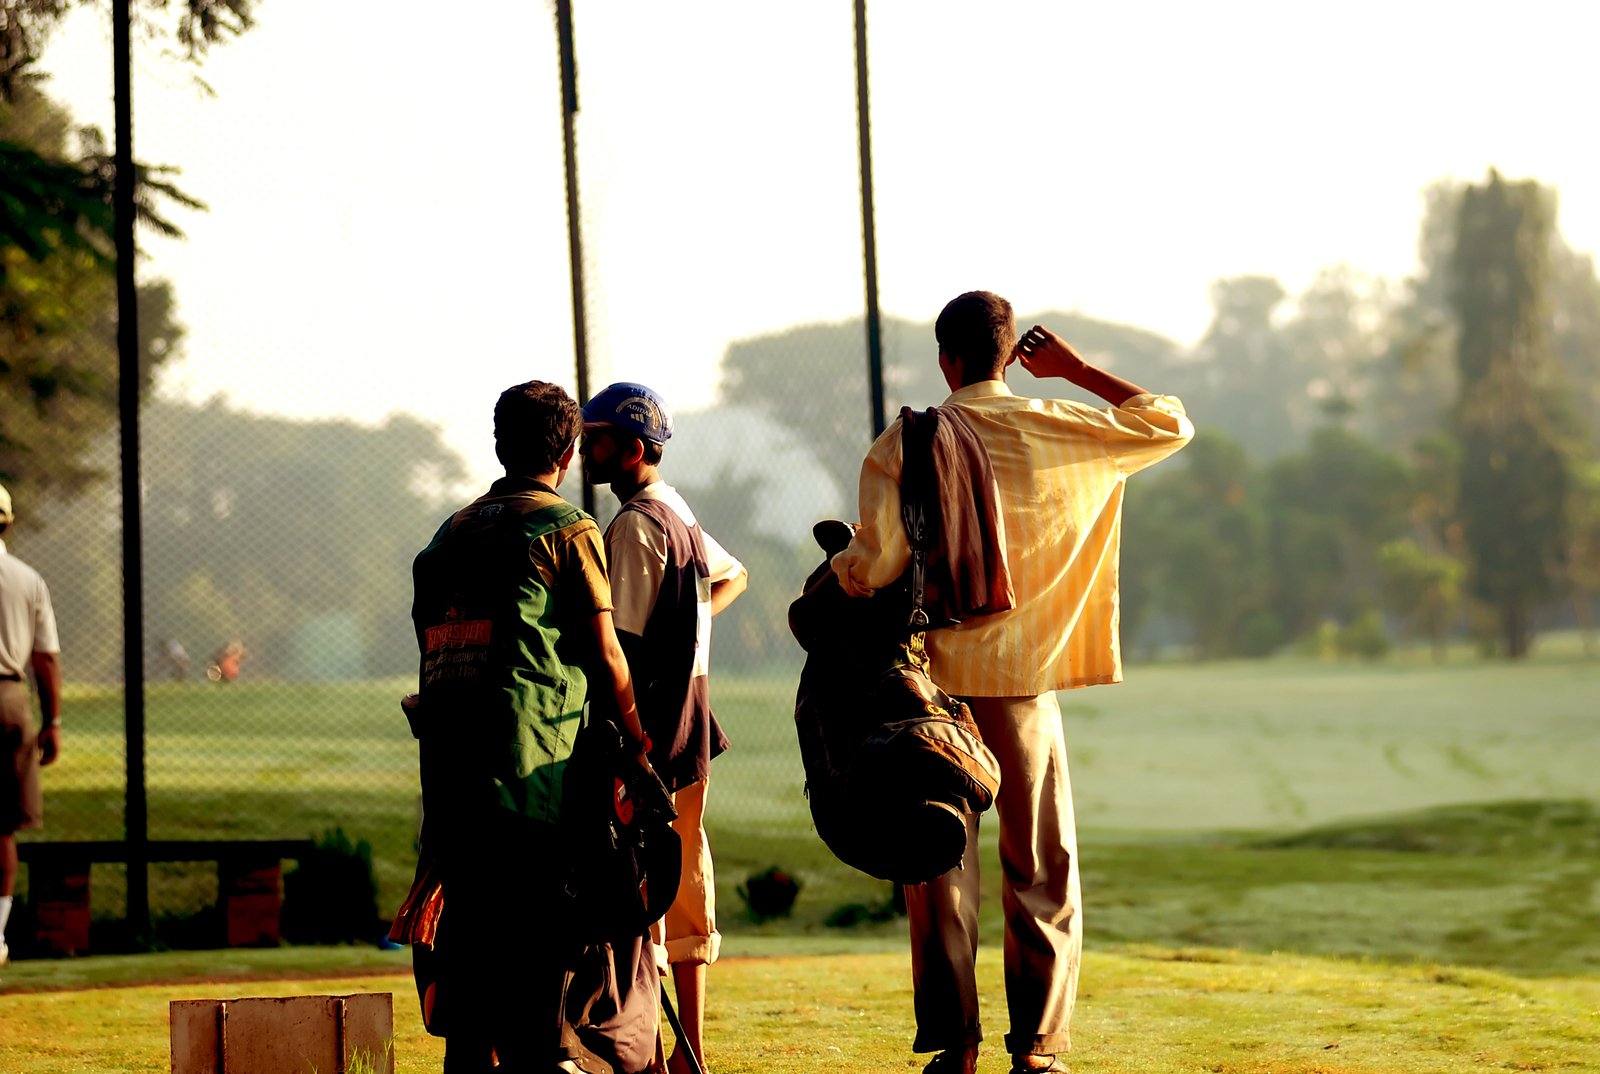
x: 945, y: 463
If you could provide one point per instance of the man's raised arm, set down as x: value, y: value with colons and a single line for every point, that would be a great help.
x: 1045, y: 354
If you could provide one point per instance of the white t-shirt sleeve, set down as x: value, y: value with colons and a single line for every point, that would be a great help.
x: 719, y: 562
x: 636, y: 562
x: 44, y: 623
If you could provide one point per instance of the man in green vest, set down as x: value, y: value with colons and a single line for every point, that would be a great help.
x: 513, y: 620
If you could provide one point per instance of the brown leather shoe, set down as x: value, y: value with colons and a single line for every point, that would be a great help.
x: 1020, y: 1065
x: 954, y: 1061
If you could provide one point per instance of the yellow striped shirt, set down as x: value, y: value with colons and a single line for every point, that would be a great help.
x: 1060, y: 468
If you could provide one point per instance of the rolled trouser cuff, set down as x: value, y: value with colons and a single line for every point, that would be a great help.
x: 1038, y: 1044
x: 701, y: 950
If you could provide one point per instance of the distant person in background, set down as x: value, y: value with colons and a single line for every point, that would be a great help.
x: 1060, y: 468
x: 27, y: 640
x: 668, y: 578
x: 224, y: 666
x: 177, y: 658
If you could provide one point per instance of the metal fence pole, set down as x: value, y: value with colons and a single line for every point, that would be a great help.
x: 136, y: 815
x: 569, y: 112
x: 869, y: 240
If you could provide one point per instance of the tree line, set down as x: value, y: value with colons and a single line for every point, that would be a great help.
x: 1447, y: 480
x: 1375, y: 457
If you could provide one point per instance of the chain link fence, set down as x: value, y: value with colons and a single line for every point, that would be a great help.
x: 374, y: 243
x: 378, y: 256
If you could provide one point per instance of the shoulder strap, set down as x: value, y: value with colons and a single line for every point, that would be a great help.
x: 919, y: 501
x: 668, y: 519
x: 543, y: 520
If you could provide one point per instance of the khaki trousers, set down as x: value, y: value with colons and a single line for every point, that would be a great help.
x: 1039, y: 895
x: 21, y: 799
x: 688, y: 932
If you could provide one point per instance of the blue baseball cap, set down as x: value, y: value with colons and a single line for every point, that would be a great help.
x: 633, y: 408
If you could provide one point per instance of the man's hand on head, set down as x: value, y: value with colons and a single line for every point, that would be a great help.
x: 1045, y: 354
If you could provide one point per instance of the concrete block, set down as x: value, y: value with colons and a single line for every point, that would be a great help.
x: 321, y: 1034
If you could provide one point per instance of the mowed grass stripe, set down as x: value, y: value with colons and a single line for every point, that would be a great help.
x: 1273, y: 745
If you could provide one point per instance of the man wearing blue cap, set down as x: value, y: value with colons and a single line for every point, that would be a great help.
x: 668, y: 578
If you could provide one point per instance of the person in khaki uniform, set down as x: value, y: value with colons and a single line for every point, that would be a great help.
x: 1060, y: 468
x: 27, y: 640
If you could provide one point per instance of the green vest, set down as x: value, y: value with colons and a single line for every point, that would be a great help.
x: 501, y: 688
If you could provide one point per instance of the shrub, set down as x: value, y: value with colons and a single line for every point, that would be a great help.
x: 331, y: 896
x: 1261, y: 634
x: 852, y: 914
x: 769, y: 894
x: 1364, y: 637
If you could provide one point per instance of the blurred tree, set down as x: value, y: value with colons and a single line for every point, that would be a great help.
x: 1194, y: 545
x: 1250, y: 378
x: 1435, y: 492
x: 1363, y: 636
x: 58, y: 383
x: 1515, y: 475
x: 1248, y: 560
x: 58, y: 315
x: 1575, y: 329
x: 1423, y: 588
x: 753, y: 632
x: 1415, y: 384
x: 1273, y: 368
x: 1583, y: 552
x: 274, y: 531
x: 813, y: 380
x: 25, y: 26
x: 284, y: 524
x: 1336, y: 334
x: 1330, y: 508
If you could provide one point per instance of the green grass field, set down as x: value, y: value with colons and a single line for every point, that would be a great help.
x: 1288, y: 867
x: 1283, y: 805
x: 1141, y: 1011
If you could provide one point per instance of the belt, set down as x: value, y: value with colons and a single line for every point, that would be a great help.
x: 10, y: 678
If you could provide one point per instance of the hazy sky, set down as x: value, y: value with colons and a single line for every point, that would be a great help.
x: 387, y: 228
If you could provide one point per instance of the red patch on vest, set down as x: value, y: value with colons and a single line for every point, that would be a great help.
x: 460, y: 632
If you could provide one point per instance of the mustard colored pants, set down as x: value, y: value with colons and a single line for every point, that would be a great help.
x: 689, y: 933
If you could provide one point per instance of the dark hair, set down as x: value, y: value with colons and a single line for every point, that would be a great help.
x: 978, y: 329
x: 651, y: 451
x: 534, y: 424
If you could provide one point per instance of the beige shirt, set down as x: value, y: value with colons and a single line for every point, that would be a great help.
x: 27, y: 622
x: 636, y: 555
x: 1060, y: 467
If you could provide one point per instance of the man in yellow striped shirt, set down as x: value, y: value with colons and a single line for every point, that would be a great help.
x: 1060, y: 468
